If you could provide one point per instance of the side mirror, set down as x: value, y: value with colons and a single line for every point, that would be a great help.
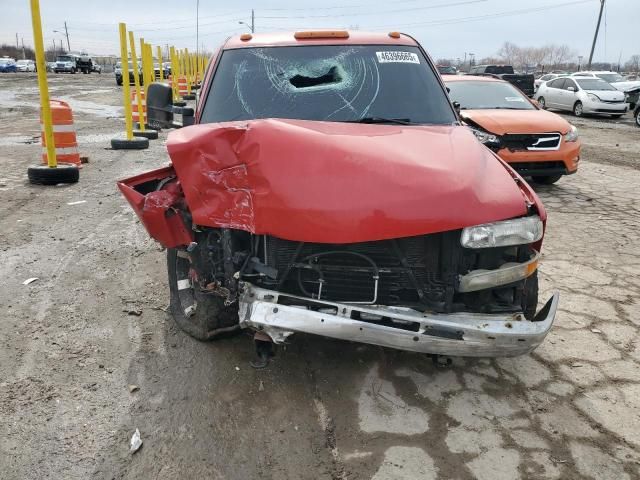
x: 161, y: 110
x: 571, y: 89
x: 456, y: 106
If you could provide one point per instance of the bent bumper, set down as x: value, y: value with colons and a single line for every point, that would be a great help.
x: 455, y: 334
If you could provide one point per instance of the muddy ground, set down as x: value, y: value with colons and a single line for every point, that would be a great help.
x: 72, y: 342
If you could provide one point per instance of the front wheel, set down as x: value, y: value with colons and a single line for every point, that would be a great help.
x: 204, y: 316
x: 73, y: 71
x: 577, y: 109
x: 546, y: 179
x: 542, y: 103
x: 637, y: 115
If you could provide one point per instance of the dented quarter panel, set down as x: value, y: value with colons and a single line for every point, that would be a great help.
x: 336, y: 182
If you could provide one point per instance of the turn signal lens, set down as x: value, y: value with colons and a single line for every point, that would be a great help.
x: 245, y: 37
x: 394, y: 34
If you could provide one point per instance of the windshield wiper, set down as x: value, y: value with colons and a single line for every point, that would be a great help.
x: 399, y: 121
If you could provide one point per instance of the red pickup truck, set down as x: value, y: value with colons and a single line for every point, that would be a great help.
x: 329, y: 187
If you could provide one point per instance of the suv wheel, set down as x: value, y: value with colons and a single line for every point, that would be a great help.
x: 204, y: 316
x: 577, y: 109
x: 73, y: 70
x: 637, y: 115
x: 546, y: 179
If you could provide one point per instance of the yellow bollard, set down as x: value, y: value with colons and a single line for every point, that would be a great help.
x: 42, y: 84
x: 174, y: 73
x: 125, y: 80
x: 159, y: 50
x: 187, y: 70
x: 136, y: 83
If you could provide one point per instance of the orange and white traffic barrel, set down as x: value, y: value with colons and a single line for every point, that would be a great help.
x: 135, y: 114
x: 64, y: 134
x: 182, y: 86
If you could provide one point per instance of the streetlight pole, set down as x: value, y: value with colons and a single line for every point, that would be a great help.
x: 66, y: 32
x: 579, y: 62
x: 253, y: 24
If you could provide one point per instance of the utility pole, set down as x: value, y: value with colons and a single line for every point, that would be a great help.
x: 17, y: 46
x: 253, y: 19
x: 595, y: 36
x: 67, y: 34
x: 24, y: 56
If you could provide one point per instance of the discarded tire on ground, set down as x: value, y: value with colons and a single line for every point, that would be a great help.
x: 147, y: 133
x: 136, y: 143
x: 45, y: 175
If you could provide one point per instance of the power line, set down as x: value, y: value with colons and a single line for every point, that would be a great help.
x: 452, y: 21
x: 379, y: 12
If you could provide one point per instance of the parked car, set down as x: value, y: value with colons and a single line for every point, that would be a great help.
x: 26, y: 66
x: 582, y: 95
x: 8, y: 65
x: 95, y: 67
x: 535, y: 143
x: 545, y: 78
x: 524, y: 82
x: 66, y: 64
x: 447, y: 69
x: 156, y: 71
x: 631, y: 88
x: 118, y: 73
x: 167, y: 68
x: 383, y: 221
x: 84, y: 64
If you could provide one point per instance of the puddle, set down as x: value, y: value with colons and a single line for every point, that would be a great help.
x: 9, y: 99
x: 28, y: 140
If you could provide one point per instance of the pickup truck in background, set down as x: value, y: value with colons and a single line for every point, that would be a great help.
x: 525, y: 82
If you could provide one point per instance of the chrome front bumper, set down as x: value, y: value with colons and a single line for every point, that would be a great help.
x: 455, y: 334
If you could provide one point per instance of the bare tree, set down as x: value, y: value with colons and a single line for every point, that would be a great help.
x: 633, y: 64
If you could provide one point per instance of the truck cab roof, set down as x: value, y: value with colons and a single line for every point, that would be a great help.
x: 317, y: 37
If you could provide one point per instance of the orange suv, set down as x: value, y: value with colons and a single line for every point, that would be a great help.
x: 534, y: 142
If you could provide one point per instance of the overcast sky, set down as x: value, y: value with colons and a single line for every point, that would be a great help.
x: 446, y: 28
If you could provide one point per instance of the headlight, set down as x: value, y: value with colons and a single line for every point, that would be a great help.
x: 572, y: 135
x: 518, y: 231
x: 485, y: 137
x: 592, y: 97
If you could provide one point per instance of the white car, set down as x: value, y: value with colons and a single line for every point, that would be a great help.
x: 615, y: 79
x: 582, y: 95
x: 546, y: 78
x: 26, y: 65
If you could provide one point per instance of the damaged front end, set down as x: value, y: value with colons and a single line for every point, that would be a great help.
x: 416, y: 256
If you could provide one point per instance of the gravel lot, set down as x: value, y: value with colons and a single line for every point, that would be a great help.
x: 324, y: 409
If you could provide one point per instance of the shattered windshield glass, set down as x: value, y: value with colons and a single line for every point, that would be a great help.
x: 332, y: 83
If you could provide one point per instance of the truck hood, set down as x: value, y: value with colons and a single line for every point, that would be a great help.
x: 500, y: 122
x: 330, y: 182
x: 627, y: 86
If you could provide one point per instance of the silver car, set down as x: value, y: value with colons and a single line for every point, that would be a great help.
x: 582, y: 95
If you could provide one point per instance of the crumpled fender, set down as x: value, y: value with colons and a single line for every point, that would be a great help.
x: 332, y: 182
x: 158, y: 209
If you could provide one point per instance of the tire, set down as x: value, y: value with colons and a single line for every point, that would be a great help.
x: 138, y: 143
x: 546, y: 179
x: 577, y: 109
x: 119, y: 82
x: 542, y: 103
x: 637, y: 116
x: 44, y: 175
x: 203, y: 316
x: 73, y: 71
